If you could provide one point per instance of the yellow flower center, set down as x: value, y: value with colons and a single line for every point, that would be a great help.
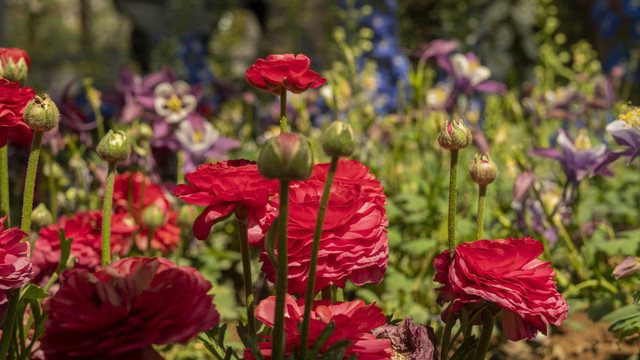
x: 631, y: 117
x: 197, y: 137
x: 174, y: 103
x: 582, y: 141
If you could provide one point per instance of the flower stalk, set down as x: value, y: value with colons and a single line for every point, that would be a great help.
x: 30, y: 182
x: 282, y: 272
x: 283, y: 110
x: 451, y: 216
x: 485, y: 336
x: 324, y: 201
x: 4, y: 184
x: 482, y: 197
x: 243, y: 239
x: 106, y: 215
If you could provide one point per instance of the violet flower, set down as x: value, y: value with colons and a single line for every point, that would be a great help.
x: 200, y: 141
x: 578, y: 159
x: 626, y: 131
x: 439, y: 51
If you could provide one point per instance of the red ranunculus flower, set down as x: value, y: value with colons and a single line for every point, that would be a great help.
x: 165, y: 237
x: 354, y: 242
x: 15, y: 264
x: 126, y: 307
x: 352, y: 319
x: 506, y: 272
x: 221, y: 187
x: 13, y: 100
x: 86, y: 247
x: 286, y: 70
x: 15, y: 54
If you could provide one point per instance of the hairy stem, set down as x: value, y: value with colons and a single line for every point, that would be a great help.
x: 106, y: 215
x: 282, y: 272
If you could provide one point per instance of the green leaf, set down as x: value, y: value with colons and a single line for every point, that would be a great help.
x: 65, y: 250
x: 321, y: 339
x: 33, y: 292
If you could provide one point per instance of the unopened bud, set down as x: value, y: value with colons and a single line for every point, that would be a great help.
x: 114, y: 147
x: 627, y: 267
x: 454, y: 135
x: 483, y: 170
x: 14, y: 64
x: 145, y: 132
x: 339, y: 139
x: 153, y: 217
x: 286, y: 157
x: 41, y: 114
x: 41, y: 217
x: 186, y: 215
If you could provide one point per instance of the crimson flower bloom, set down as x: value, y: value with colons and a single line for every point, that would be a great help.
x: 221, y: 187
x: 166, y: 236
x: 283, y: 70
x: 15, y: 267
x: 86, y: 247
x: 352, y: 320
x: 506, y: 272
x: 13, y: 100
x: 354, y: 242
x: 15, y: 55
x: 123, y: 309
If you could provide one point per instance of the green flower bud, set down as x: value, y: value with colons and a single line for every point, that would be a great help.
x: 41, y: 114
x: 153, y: 216
x: 144, y: 132
x: 454, y: 135
x: 483, y: 170
x: 14, y: 64
x: 286, y: 157
x: 186, y: 215
x: 339, y: 139
x: 41, y: 217
x: 114, y: 147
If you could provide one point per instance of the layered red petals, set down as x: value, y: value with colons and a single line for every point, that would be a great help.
x: 283, y: 70
x: 15, y: 262
x: 126, y: 307
x: 13, y: 100
x: 506, y: 272
x: 354, y: 242
x: 86, y: 247
x: 352, y: 321
x: 15, y: 55
x: 167, y: 236
x: 221, y: 187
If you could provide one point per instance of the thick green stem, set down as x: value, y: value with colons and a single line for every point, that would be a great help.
x: 311, y: 281
x: 106, y: 215
x: 482, y: 196
x: 283, y: 110
x: 243, y: 238
x: 485, y: 336
x: 4, y: 185
x: 282, y: 272
x: 9, y: 324
x: 149, y: 251
x: 30, y: 182
x: 446, y: 336
x: 451, y: 220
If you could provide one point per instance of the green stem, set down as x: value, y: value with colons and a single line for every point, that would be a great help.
x: 106, y: 215
x: 282, y: 272
x: 485, y: 336
x: 9, y: 324
x: 4, y: 184
x: 446, y: 336
x: 148, y: 251
x: 283, y: 110
x: 243, y: 238
x: 53, y: 203
x: 482, y: 196
x: 179, y: 167
x: 451, y: 220
x: 311, y: 281
x: 30, y: 182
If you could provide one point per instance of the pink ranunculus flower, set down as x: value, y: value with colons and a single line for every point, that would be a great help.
x: 121, y: 310
x: 353, y: 321
x: 15, y: 267
x: 221, y: 187
x: 13, y: 101
x: 354, y: 243
x: 283, y: 70
x: 506, y: 272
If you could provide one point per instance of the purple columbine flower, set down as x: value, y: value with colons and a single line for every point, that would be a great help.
x: 200, y: 140
x: 626, y: 131
x: 578, y: 158
x: 439, y: 51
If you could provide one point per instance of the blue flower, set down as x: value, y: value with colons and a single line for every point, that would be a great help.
x: 631, y: 7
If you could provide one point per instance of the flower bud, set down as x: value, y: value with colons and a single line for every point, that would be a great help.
x: 153, y: 216
x: 144, y: 132
x: 483, y: 170
x: 14, y: 64
x: 339, y: 139
x: 286, y: 157
x: 41, y: 114
x: 114, y: 147
x: 186, y: 215
x: 627, y: 267
x: 41, y: 217
x: 454, y: 135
